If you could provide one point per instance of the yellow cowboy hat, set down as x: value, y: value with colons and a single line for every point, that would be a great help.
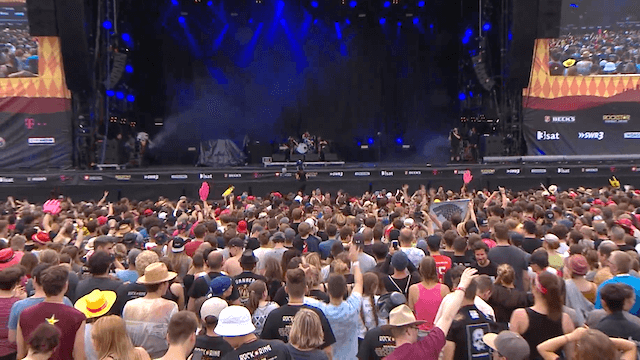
x: 96, y: 304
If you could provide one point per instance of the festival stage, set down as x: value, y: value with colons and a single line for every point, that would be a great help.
x: 173, y: 182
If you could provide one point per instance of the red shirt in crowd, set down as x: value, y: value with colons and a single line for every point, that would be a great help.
x: 427, y: 348
x: 6, y: 347
x: 443, y: 264
x: 67, y: 319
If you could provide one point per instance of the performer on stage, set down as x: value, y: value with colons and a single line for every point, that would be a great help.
x: 456, y: 141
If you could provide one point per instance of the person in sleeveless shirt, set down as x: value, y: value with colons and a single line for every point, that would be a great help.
x: 426, y: 296
x: 546, y: 313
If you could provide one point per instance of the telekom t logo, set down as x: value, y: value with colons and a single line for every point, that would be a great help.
x: 29, y: 123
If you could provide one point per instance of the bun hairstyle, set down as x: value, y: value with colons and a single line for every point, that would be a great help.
x: 505, y: 275
x: 548, y: 285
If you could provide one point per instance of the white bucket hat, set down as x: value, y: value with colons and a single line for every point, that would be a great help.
x: 234, y: 321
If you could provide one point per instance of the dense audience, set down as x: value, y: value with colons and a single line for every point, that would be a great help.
x: 600, y: 53
x: 18, y: 53
x: 518, y: 275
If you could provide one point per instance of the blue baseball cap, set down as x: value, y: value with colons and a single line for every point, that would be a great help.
x: 220, y: 284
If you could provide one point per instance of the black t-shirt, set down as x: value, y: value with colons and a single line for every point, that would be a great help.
x: 516, y: 257
x: 467, y: 332
x: 210, y: 348
x: 323, y: 236
x: 311, y: 242
x: 463, y: 260
x: 490, y: 270
x: 200, y: 287
x: 531, y: 244
x: 242, y: 281
x: 281, y: 297
x: 86, y: 286
x: 260, y: 350
x: 319, y: 295
x: 401, y: 285
x: 252, y: 243
x: 377, y: 344
x: 278, y: 324
x: 617, y: 326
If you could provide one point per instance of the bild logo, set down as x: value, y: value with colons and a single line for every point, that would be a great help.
x: 544, y: 135
x: 591, y: 135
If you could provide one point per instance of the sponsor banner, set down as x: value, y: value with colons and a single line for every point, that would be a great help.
x: 153, y: 177
x: 488, y: 171
x: 233, y: 176
x: 590, y: 170
x: 599, y: 129
x: 362, y: 173
x: 203, y: 176
x: 386, y: 173
x: 591, y: 135
x: 616, y: 119
x: 6, y: 180
x: 37, y: 179
x: 179, y: 176
x: 565, y: 171
x: 539, y: 171
x: 446, y: 209
x: 34, y: 141
x: 544, y: 135
x: 123, y: 177
x: 287, y: 174
x: 413, y: 172
x: 93, y: 178
x: 632, y: 135
x: 513, y: 171
x: 336, y: 174
x: 559, y: 119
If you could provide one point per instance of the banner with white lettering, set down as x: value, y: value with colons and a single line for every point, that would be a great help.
x: 446, y: 209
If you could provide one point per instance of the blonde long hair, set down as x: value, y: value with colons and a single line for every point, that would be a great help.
x: 110, y: 338
x: 306, y: 330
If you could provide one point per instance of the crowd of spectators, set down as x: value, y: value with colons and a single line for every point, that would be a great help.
x: 539, y: 274
x: 18, y: 53
x: 604, y: 52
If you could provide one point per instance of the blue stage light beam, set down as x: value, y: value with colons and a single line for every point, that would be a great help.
x: 128, y: 69
x: 107, y: 25
x: 174, y: 2
x: 399, y: 141
x: 387, y: 4
x: 382, y: 21
x: 119, y: 95
x: 462, y: 96
x: 353, y: 3
x: 131, y: 98
x: 314, y: 4
x: 338, y: 31
x: 421, y: 3
x: 370, y: 140
x: 416, y: 20
x: 110, y: 93
x: 181, y: 20
x: 126, y: 37
x: 218, y: 41
x: 486, y: 26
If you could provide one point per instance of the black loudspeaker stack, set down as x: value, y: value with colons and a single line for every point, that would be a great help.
x: 532, y: 19
x: 64, y: 18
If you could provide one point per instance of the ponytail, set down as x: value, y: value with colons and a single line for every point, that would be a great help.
x: 549, y: 286
x: 256, y: 291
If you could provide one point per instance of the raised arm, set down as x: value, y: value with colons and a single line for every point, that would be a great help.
x: 355, y: 266
x: 452, y: 307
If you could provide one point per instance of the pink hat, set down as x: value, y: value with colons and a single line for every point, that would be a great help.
x: 578, y: 264
x: 102, y: 220
x: 41, y: 237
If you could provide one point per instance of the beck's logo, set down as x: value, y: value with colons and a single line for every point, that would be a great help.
x: 543, y: 135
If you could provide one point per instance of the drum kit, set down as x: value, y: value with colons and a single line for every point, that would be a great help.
x: 307, y: 145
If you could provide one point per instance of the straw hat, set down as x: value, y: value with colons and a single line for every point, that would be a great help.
x: 156, y: 273
x: 96, y: 303
x: 403, y: 316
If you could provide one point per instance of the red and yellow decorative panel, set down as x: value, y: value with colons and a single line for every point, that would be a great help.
x: 544, y: 86
x: 50, y: 82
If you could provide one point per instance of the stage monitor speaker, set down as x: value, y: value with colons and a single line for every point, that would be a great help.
x: 42, y: 18
x: 278, y: 157
x: 330, y: 157
x: 257, y: 151
x: 312, y: 157
x: 494, y: 146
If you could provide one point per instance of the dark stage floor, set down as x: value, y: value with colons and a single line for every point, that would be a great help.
x: 354, y: 178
